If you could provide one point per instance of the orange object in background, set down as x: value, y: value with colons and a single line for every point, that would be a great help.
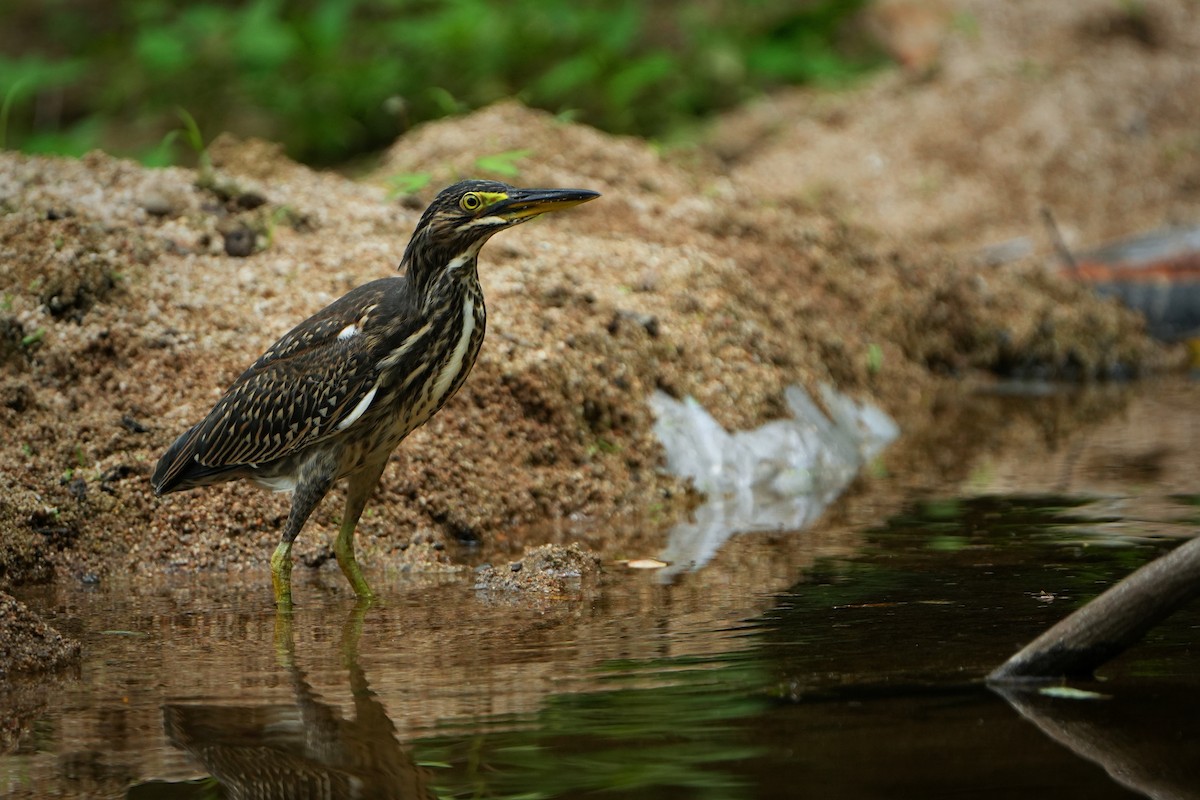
x: 1157, y: 274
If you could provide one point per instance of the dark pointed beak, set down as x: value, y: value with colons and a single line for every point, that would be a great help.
x: 525, y: 203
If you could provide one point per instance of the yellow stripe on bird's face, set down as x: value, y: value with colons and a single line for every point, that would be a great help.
x: 479, y: 203
x: 492, y: 211
x: 474, y: 202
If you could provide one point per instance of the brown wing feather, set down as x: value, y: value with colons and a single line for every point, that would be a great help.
x: 296, y: 393
x: 286, y: 404
x: 275, y: 409
x: 304, y: 385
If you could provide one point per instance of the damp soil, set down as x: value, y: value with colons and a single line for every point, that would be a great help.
x: 813, y: 237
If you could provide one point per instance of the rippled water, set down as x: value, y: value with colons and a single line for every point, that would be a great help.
x: 842, y: 662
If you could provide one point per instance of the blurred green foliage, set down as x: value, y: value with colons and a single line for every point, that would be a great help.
x: 335, y: 78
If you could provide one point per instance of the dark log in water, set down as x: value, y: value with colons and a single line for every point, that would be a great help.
x: 1111, y: 623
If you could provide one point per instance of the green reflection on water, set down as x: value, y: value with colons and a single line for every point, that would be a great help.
x: 665, y: 740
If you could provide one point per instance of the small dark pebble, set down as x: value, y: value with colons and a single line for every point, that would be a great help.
x: 556, y: 296
x: 112, y: 475
x: 439, y: 546
x: 239, y: 242
x: 17, y: 396
x: 483, y: 567
x: 250, y: 200
x: 90, y: 579
x: 78, y: 489
x: 403, y: 546
x: 132, y: 425
x: 516, y: 566
x: 116, y: 473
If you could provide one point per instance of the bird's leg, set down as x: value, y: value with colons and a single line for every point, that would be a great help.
x: 308, y: 495
x: 285, y: 640
x: 360, y: 488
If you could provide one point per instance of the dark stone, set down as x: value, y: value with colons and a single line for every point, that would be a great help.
x: 78, y: 489
x: 239, y: 242
x: 132, y: 425
x: 250, y: 200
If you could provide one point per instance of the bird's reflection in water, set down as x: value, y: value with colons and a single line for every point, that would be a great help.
x: 305, y: 750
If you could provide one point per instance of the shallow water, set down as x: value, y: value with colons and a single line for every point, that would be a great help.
x: 842, y: 662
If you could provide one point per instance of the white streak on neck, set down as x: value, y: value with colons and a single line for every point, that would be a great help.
x: 347, y: 332
x: 454, y: 366
x: 464, y: 258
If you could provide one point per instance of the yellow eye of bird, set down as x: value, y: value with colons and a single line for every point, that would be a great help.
x: 471, y: 202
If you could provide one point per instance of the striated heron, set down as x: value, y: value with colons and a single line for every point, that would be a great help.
x: 334, y: 397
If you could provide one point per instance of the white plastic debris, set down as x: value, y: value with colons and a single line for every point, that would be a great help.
x: 780, y: 476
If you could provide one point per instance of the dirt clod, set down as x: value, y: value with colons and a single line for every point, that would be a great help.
x: 547, y: 569
x: 29, y: 643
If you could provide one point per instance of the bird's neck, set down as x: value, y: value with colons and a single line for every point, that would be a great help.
x: 437, y: 272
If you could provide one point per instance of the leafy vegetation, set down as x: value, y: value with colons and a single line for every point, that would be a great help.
x: 335, y: 78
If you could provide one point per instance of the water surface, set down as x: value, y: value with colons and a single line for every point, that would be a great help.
x: 840, y: 662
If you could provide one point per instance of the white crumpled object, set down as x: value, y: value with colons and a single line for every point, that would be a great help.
x: 780, y: 476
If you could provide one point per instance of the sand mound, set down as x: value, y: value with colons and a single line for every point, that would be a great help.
x: 796, y: 259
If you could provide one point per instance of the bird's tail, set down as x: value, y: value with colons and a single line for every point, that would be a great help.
x: 180, y: 467
x: 172, y: 468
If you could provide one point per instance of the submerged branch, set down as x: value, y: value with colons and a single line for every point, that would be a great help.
x: 1111, y: 623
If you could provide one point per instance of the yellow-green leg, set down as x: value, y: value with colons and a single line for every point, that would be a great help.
x: 314, y: 482
x: 281, y: 575
x: 285, y: 641
x: 357, y: 493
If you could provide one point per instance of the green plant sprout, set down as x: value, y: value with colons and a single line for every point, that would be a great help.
x: 190, y: 131
x: 504, y: 164
x: 874, y: 358
x: 407, y: 183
